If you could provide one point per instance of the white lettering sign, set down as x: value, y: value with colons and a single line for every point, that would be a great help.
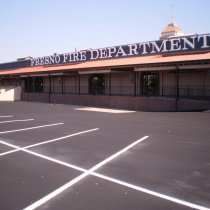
x: 170, y: 45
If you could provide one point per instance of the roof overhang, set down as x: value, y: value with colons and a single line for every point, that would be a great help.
x: 143, y: 63
x: 155, y: 68
x: 95, y: 71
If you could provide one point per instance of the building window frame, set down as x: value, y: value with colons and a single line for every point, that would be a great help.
x: 150, y: 84
x: 97, y: 84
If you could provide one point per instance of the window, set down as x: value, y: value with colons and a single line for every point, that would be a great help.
x: 38, y: 84
x: 28, y: 85
x: 97, y: 84
x: 33, y: 84
x: 150, y: 84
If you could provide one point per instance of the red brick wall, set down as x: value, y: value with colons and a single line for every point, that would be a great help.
x: 120, y: 102
x: 39, y: 97
x: 186, y: 105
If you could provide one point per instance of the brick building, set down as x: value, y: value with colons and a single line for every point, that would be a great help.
x: 171, y: 74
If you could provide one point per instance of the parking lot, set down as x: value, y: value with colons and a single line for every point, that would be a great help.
x: 70, y: 157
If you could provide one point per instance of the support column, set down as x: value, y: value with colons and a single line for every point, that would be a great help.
x: 177, y: 87
x: 28, y: 87
x: 110, y: 83
x: 79, y: 83
x: 62, y: 83
x: 134, y: 83
x: 162, y: 83
x: 204, y: 84
x: 50, y: 90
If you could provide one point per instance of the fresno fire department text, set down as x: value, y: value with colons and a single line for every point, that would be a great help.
x: 171, y: 45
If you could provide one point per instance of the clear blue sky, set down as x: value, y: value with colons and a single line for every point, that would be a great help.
x: 43, y: 27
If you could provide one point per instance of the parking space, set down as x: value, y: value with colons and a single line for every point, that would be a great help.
x: 94, y: 193
x: 177, y: 169
x: 25, y: 179
x: 68, y: 157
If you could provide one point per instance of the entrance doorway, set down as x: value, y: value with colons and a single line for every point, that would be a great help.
x: 150, y: 84
x: 97, y: 84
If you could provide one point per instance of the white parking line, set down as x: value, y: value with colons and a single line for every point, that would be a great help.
x: 69, y: 184
x: 150, y: 192
x: 9, y: 152
x: 30, y: 128
x: 7, y: 116
x: 43, y: 156
x: 49, y: 141
x: 10, y: 121
x: 80, y: 177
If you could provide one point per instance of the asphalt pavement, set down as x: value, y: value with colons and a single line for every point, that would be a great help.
x: 64, y: 157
